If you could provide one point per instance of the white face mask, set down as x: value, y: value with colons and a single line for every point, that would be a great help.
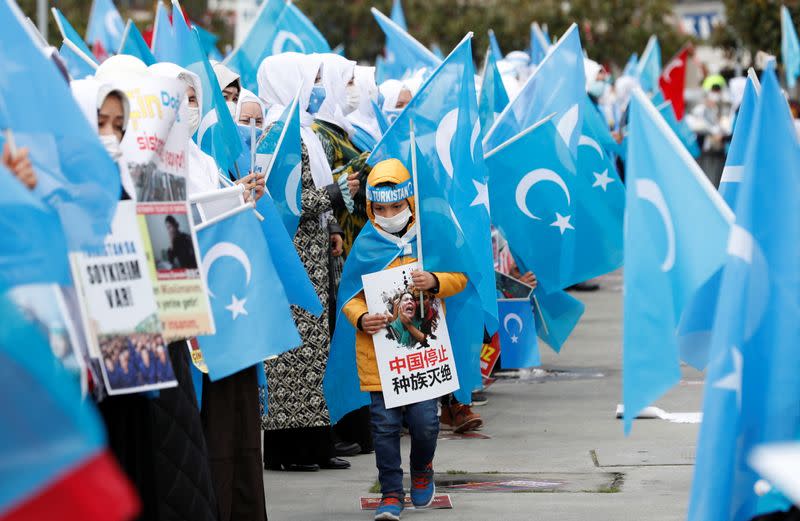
x: 111, y: 144
x: 231, y: 108
x: 394, y: 224
x: 353, y: 99
x: 193, y: 119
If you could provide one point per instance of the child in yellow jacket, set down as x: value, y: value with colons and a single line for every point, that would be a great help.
x: 390, y: 207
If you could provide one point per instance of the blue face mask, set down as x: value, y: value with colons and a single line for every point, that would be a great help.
x: 317, y: 97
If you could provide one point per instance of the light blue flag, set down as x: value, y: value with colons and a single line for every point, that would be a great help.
x: 76, y: 176
x: 287, y: 262
x: 398, y: 16
x: 48, y: 429
x: 251, y: 310
x: 680, y: 128
x: 217, y: 135
x: 790, y: 48
x: 105, y: 26
x: 133, y: 44
x: 74, y: 51
x: 752, y: 385
x: 494, y: 97
x: 556, y: 315
x: 667, y: 255
x: 557, y: 86
x: 648, y: 69
x: 734, y: 162
x: 452, y: 198
x: 208, y: 41
x: 299, y: 34
x: 694, y: 330
x: 519, y: 348
x: 494, y: 46
x: 25, y: 257
x: 248, y: 55
x: 562, y: 224
x: 283, y: 146
x: 79, y: 65
x: 540, y: 43
x: 631, y: 66
x: 437, y: 51
x: 163, y: 44
x: 68, y: 32
x: 279, y: 27
x: 403, y: 53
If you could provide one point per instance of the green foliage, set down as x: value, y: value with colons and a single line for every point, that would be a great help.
x: 754, y: 25
x: 610, y: 29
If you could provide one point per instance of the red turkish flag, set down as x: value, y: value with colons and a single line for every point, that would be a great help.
x: 673, y: 81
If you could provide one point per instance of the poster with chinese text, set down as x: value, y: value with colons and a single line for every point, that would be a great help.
x: 414, y: 355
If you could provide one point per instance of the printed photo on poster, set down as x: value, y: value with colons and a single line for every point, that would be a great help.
x: 135, y: 362
x: 172, y: 242
x: 414, y: 354
x: 179, y: 287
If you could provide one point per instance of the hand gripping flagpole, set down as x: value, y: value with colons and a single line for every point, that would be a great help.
x: 418, y: 223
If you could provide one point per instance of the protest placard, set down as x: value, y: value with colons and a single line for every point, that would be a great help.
x: 414, y: 355
x: 180, y: 290
x: 154, y: 146
x: 120, y: 316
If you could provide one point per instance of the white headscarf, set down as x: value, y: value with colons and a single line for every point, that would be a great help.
x: 117, y: 68
x: 280, y: 77
x: 246, y: 96
x: 90, y: 95
x: 203, y: 172
x: 391, y: 90
x: 337, y: 71
x: 364, y: 117
x: 224, y: 75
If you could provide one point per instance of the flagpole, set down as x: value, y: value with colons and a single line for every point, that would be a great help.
x: 253, y: 154
x: 418, y: 223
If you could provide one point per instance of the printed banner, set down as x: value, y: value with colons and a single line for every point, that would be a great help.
x: 119, y: 310
x: 415, y: 358
x: 171, y: 250
x: 155, y: 142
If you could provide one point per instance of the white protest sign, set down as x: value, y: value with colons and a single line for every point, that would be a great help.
x: 154, y: 146
x: 115, y: 290
x: 414, y: 355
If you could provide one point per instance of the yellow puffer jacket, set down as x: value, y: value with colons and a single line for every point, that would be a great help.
x: 449, y: 285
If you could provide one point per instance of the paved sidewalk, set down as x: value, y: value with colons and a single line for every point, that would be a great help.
x: 558, y: 429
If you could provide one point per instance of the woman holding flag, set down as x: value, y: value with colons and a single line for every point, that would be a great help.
x: 297, y: 426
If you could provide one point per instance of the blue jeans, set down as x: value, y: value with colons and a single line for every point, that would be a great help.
x: 387, y: 425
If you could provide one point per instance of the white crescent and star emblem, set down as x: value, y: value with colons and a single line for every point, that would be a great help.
x: 283, y: 37
x: 567, y: 124
x: 292, y: 188
x: 513, y: 317
x: 601, y: 179
x: 529, y: 181
x: 228, y: 249
x: 444, y: 137
x: 648, y: 190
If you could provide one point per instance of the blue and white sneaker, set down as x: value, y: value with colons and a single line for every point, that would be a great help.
x: 422, y: 487
x: 390, y: 509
